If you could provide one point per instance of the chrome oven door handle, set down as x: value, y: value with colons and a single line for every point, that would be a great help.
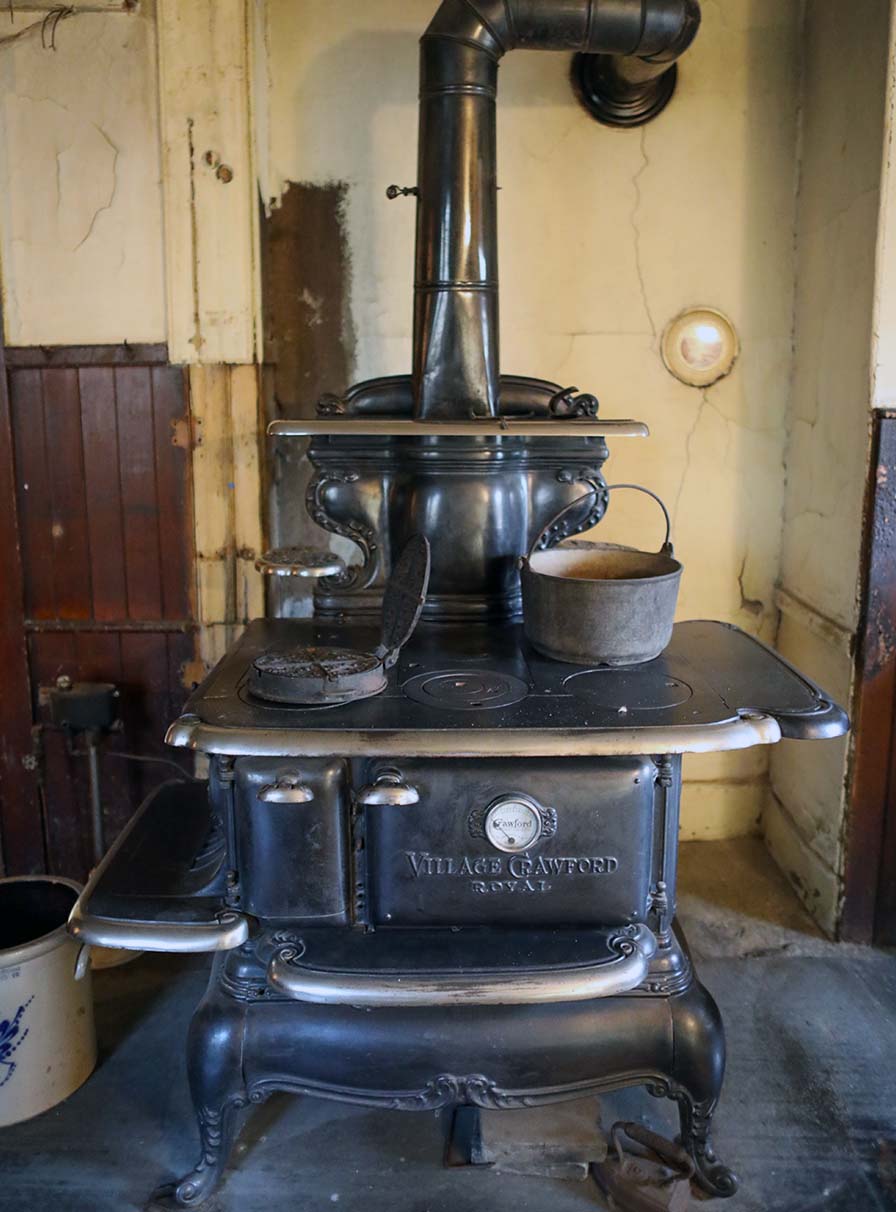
x: 632, y: 949
x: 389, y: 788
x: 287, y: 790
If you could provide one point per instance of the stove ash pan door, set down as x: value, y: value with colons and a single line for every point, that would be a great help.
x: 292, y: 838
x: 568, y: 842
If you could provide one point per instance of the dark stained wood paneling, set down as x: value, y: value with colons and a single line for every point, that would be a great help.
x: 34, y: 499
x: 102, y: 479
x: 175, y: 504
x: 21, y: 824
x: 99, y: 431
x: 42, y: 356
x: 139, y: 496
x: 869, y: 908
x: 65, y: 467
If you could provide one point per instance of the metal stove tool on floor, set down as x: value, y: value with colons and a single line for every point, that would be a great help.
x: 436, y: 865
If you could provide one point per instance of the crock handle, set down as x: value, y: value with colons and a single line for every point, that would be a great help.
x: 82, y: 962
x: 666, y: 549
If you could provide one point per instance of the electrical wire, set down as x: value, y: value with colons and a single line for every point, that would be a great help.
x: 145, y: 757
x: 138, y: 757
x: 48, y: 24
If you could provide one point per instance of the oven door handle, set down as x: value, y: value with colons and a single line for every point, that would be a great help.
x: 287, y: 790
x: 388, y: 788
x: 632, y: 949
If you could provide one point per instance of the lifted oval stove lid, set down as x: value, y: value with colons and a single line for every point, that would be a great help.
x: 404, y: 598
x: 309, y: 676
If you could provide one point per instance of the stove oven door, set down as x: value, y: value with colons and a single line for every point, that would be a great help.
x: 560, y: 842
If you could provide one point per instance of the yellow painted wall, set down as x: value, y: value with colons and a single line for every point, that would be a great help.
x: 605, y: 236
x: 843, y: 132
x: 80, y: 192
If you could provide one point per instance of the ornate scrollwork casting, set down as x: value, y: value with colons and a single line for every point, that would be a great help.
x: 355, y: 576
x: 216, y: 1130
x: 568, y: 403
x: 696, y: 1124
x: 445, y: 1090
x: 572, y: 523
x: 476, y: 820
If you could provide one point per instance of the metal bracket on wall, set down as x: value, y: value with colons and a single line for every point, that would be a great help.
x: 602, y: 84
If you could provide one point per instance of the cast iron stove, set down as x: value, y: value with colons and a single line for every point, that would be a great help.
x: 447, y: 874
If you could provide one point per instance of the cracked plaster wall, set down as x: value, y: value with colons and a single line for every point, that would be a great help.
x: 844, y: 117
x: 80, y: 194
x: 605, y: 236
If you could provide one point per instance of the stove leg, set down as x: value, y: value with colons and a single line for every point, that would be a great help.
x: 215, y: 1047
x: 696, y: 1083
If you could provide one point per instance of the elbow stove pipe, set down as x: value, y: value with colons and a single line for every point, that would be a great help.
x: 456, y: 364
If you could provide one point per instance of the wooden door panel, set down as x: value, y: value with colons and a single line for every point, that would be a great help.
x: 34, y: 499
x: 869, y: 906
x: 105, y: 527
x: 68, y: 495
x: 175, y: 500
x: 22, y: 836
x: 102, y: 490
x: 139, y: 493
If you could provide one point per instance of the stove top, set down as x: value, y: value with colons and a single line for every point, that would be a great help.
x: 480, y: 690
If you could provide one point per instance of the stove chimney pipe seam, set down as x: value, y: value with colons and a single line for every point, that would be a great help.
x: 456, y: 364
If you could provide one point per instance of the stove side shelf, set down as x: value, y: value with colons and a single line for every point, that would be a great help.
x: 752, y: 679
x: 161, y: 885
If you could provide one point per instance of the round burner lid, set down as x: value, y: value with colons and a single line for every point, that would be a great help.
x: 466, y: 689
x: 306, y: 676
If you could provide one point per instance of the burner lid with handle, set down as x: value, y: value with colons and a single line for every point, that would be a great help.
x: 315, y: 676
x: 309, y: 562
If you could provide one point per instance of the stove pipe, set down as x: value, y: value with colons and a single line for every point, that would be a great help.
x: 456, y: 369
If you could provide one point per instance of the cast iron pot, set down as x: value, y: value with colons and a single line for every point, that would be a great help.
x: 599, y: 603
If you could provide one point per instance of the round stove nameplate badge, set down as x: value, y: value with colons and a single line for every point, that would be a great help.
x: 513, y: 823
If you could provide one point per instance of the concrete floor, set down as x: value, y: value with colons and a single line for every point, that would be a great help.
x: 808, y: 1117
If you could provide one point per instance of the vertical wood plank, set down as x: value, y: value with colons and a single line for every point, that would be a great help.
x: 99, y: 430
x: 247, y: 514
x: 65, y: 465
x: 32, y: 496
x: 227, y: 494
x: 869, y: 903
x: 172, y: 446
x: 213, y: 495
x: 210, y: 200
x: 21, y: 819
x: 139, y: 497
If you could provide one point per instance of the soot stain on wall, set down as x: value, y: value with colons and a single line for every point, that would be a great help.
x: 309, y: 343
x: 309, y: 340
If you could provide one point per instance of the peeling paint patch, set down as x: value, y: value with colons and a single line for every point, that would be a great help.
x: 306, y: 276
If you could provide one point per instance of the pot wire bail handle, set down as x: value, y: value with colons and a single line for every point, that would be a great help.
x: 667, y: 547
